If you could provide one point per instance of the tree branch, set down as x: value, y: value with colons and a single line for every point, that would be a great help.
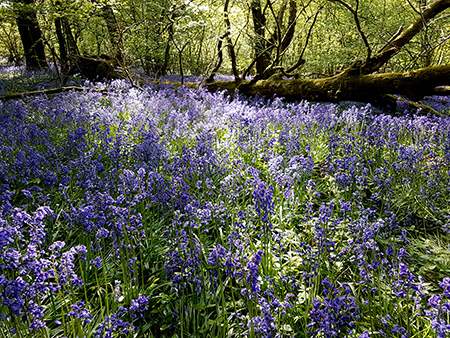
x: 358, y: 24
x: 301, y: 61
x: 219, y: 62
x: 394, y: 46
x: 47, y: 92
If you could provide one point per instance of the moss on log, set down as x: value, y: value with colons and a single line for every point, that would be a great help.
x: 47, y: 92
x: 346, y: 87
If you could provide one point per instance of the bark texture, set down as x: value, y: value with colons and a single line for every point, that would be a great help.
x: 48, y: 92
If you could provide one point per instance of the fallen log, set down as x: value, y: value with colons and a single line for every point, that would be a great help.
x: 47, y: 92
x: 346, y: 86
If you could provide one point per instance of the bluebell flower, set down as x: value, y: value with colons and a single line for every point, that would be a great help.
x: 445, y: 284
x: 79, y: 311
x: 253, y: 274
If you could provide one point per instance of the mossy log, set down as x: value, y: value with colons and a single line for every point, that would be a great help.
x: 50, y: 91
x: 346, y: 86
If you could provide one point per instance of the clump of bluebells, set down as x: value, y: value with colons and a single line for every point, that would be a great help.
x: 182, y: 212
x: 336, y: 313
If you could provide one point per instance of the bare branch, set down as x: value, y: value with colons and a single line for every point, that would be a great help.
x: 358, y: 24
x: 413, y: 8
x: 247, y: 71
x: 300, y: 59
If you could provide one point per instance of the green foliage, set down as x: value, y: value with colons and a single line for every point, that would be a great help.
x: 162, y: 36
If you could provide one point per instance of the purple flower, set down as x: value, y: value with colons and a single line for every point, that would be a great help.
x: 139, y: 305
x: 98, y: 262
x: 56, y: 246
x: 336, y: 314
x: 27, y: 193
x: 113, y: 326
x: 253, y: 272
x: 80, y: 311
x: 445, y: 284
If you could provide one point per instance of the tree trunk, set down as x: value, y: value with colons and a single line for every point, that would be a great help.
x: 230, y: 45
x: 287, y: 39
x: 114, y: 34
x: 31, y: 35
x: 62, y: 43
x: 165, y: 66
x: 67, y: 46
x: 219, y: 61
x: 71, y: 43
x: 347, y: 87
x: 170, y: 38
x: 259, y: 27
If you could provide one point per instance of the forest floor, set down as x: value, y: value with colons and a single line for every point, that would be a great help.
x: 176, y: 212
